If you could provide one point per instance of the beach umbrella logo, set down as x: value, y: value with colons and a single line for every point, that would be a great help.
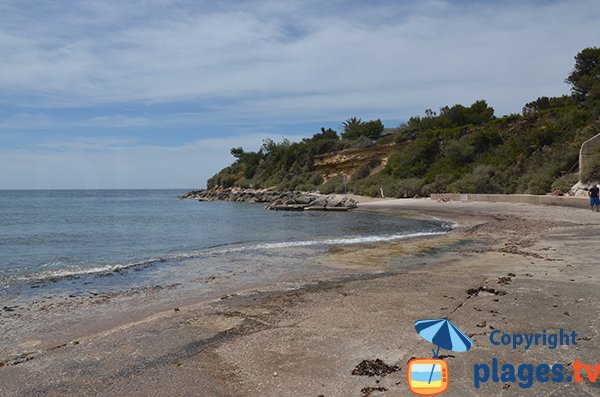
x: 429, y: 376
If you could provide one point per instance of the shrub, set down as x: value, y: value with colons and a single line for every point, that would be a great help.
x: 361, y: 172
x: 392, y: 187
x: 410, y: 187
x: 306, y: 187
x: 333, y: 185
x: 480, y: 180
x: 540, y: 183
x: 439, y: 185
x: 316, y: 179
x: 565, y: 182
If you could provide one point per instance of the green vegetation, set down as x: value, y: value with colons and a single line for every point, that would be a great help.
x: 284, y: 165
x: 585, y: 78
x: 458, y: 149
x: 355, y: 128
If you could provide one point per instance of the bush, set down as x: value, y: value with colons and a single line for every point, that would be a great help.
x: 439, y: 185
x: 540, y: 184
x: 565, y: 182
x: 410, y: 187
x: 392, y: 187
x: 362, y: 142
x: 371, y: 186
x: 306, y: 187
x: 316, y: 179
x: 333, y: 185
x: 480, y: 180
x: 361, y: 172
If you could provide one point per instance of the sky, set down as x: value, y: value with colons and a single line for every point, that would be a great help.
x: 154, y: 94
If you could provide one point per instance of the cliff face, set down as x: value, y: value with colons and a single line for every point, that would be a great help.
x: 348, y: 161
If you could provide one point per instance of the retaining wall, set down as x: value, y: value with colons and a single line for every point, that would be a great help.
x: 563, y: 201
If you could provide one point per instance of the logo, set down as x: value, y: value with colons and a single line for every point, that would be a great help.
x: 429, y: 376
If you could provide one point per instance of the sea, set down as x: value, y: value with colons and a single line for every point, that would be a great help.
x: 79, y: 240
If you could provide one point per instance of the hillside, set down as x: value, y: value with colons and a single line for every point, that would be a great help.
x: 458, y: 149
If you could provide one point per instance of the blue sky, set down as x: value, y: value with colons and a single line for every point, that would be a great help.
x: 153, y: 94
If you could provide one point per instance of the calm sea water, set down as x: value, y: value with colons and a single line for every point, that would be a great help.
x: 54, y: 234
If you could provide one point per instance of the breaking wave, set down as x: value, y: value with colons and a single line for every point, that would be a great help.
x: 76, y: 271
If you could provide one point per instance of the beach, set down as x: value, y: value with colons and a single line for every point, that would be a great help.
x: 515, y: 268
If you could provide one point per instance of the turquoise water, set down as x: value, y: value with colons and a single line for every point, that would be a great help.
x: 426, y: 372
x: 69, y: 233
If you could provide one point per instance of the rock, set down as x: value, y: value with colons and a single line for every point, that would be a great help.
x: 335, y: 201
x: 350, y: 203
x: 303, y: 199
x: 318, y: 202
x: 580, y: 189
x: 296, y: 200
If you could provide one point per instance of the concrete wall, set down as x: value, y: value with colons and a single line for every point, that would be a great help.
x: 563, y: 201
x: 588, y: 149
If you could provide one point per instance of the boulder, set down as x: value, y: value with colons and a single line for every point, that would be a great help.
x: 350, y: 203
x: 304, y: 199
x: 318, y: 202
x: 335, y: 201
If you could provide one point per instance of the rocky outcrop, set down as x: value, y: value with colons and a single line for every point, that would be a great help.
x: 348, y: 161
x: 290, y: 201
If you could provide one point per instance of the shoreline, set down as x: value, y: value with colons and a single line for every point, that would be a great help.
x: 241, y: 341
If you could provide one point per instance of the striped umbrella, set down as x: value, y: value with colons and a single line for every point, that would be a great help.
x: 442, y: 333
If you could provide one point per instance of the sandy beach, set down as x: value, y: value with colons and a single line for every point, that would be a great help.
x: 515, y: 268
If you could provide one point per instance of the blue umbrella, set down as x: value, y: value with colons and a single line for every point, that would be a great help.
x: 442, y: 333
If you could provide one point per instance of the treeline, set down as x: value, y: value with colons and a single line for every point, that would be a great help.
x: 456, y: 149
x: 283, y: 165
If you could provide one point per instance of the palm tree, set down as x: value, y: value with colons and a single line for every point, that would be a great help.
x: 351, y: 125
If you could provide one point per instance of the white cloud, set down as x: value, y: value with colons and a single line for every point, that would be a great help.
x: 243, y: 53
x: 119, y: 163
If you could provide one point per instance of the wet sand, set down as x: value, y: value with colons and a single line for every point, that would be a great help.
x: 508, y: 267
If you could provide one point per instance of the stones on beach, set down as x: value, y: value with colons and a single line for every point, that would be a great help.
x: 483, y: 290
x: 368, y: 391
x: 374, y: 367
x: 318, y: 202
x: 282, y: 201
x: 21, y: 358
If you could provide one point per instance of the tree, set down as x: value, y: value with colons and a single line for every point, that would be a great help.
x: 585, y: 77
x: 237, y: 152
x: 326, y: 134
x: 372, y: 129
x: 479, y: 112
x: 351, y: 128
x: 355, y: 128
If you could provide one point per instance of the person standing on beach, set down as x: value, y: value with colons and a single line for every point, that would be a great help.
x: 594, y: 197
